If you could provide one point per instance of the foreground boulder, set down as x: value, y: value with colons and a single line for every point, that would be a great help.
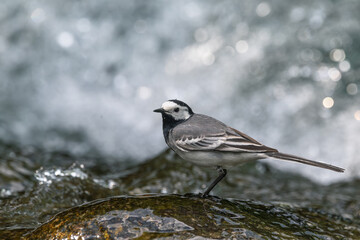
x: 188, y: 216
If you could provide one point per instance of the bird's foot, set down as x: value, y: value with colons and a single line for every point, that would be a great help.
x: 203, y: 195
x: 196, y: 195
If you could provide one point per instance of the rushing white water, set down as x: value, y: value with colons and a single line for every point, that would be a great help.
x: 86, y: 75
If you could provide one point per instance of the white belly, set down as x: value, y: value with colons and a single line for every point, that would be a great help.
x: 222, y: 159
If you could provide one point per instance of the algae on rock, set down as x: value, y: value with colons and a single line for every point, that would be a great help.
x: 187, y: 216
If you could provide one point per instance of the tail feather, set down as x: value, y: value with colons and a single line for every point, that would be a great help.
x: 293, y: 158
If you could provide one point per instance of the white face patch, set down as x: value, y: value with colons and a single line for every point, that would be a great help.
x: 167, y: 106
x: 181, y: 114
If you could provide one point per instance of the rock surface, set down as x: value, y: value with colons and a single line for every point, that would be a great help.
x: 47, y: 196
x: 189, y: 216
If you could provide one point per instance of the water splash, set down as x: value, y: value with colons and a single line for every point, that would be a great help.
x: 48, y: 176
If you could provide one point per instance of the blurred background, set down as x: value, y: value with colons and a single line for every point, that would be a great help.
x: 79, y: 81
x: 83, y: 77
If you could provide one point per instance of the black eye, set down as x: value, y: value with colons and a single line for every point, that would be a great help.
x: 176, y: 109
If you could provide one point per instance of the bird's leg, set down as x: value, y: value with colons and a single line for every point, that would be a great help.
x: 222, y: 173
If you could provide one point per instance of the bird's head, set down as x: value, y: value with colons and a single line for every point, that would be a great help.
x: 175, y: 109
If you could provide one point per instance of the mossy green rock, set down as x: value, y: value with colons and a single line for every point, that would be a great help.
x: 177, y: 216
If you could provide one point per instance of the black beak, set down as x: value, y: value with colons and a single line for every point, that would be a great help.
x: 159, y: 110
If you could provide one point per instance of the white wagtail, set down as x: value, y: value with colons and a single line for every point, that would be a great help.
x: 206, y: 141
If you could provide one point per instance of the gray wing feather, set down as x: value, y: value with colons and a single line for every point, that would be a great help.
x: 200, y: 133
x: 200, y: 143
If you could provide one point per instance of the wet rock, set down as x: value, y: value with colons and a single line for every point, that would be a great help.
x: 188, y: 216
x: 257, y: 201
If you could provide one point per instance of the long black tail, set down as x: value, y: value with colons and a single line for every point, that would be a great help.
x: 293, y: 158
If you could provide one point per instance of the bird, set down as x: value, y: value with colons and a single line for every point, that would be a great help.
x: 208, y: 142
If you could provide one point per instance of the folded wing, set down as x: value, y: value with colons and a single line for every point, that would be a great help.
x: 200, y: 143
x: 237, y: 141
x: 229, y: 140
